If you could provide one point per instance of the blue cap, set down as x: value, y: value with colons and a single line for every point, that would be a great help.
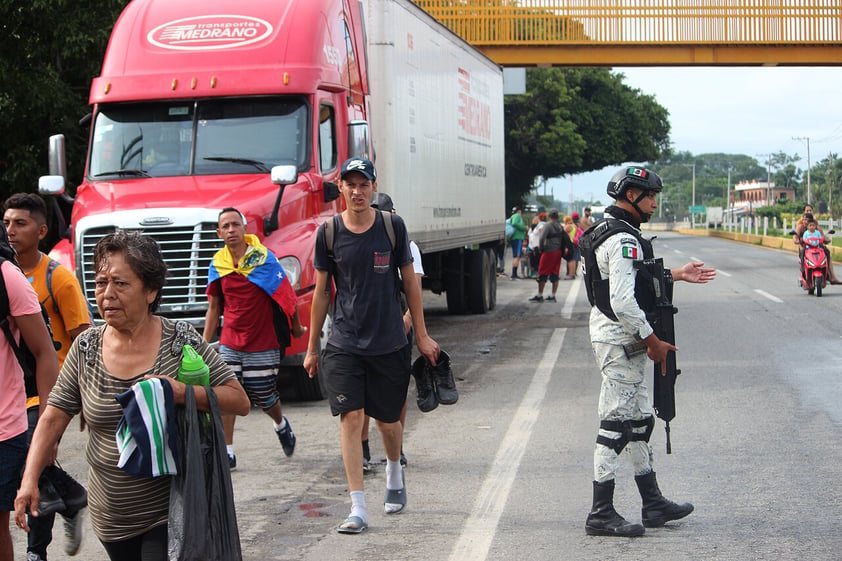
x: 361, y: 165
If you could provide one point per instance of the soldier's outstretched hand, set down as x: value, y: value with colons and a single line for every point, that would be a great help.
x: 695, y: 272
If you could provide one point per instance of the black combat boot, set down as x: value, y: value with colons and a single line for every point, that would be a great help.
x: 603, y: 520
x: 657, y: 510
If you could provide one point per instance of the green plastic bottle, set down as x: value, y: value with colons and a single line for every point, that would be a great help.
x: 193, y: 369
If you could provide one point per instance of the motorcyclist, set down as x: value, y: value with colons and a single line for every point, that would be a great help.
x: 800, y: 228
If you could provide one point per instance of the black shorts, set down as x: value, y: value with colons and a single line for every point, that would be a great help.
x: 377, y: 384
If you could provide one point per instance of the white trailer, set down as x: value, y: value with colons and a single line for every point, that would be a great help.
x: 437, y: 130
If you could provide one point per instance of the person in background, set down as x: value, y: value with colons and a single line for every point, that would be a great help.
x: 366, y: 359
x: 553, y: 246
x: 128, y: 514
x: 800, y: 228
x: 244, y: 278
x: 382, y: 201
x: 586, y: 220
x: 573, y: 257
x: 812, y: 237
x: 26, y: 324
x: 533, y: 253
x: 517, y: 239
x: 58, y: 290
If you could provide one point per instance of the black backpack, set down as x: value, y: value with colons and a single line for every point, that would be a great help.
x: 22, y: 352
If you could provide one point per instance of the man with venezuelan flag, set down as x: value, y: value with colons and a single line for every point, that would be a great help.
x: 245, y: 281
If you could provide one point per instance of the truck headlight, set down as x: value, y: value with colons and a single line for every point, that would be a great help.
x: 292, y: 267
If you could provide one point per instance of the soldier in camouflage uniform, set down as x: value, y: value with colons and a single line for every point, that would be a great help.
x: 626, y: 416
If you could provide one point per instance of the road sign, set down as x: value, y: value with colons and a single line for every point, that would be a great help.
x: 698, y: 209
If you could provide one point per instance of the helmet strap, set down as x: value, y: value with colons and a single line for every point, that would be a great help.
x: 644, y: 217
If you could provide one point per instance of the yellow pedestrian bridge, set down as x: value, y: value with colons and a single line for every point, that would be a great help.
x: 647, y: 32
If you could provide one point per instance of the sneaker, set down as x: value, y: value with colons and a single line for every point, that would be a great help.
x: 403, y: 459
x: 538, y: 298
x: 73, y: 527
x: 232, y: 462
x: 287, y: 438
x: 426, y: 398
x: 551, y: 299
x: 443, y: 381
x: 32, y: 556
x: 366, y: 465
x: 50, y: 501
x: 72, y: 492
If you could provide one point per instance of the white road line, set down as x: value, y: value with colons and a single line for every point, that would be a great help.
x: 678, y: 251
x: 723, y: 273
x: 769, y: 296
x: 481, y: 526
x: 567, y: 309
x: 695, y: 259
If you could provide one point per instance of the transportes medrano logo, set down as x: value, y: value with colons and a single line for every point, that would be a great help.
x: 213, y: 32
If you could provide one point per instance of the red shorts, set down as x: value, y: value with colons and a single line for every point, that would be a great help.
x: 549, y: 266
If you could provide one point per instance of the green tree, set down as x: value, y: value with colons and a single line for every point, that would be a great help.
x: 51, y: 50
x: 575, y: 120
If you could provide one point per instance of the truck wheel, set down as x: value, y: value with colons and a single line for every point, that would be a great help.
x: 478, y: 281
x: 454, y: 282
x: 492, y: 278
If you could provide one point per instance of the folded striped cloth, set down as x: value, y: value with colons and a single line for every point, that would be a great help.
x: 147, y: 435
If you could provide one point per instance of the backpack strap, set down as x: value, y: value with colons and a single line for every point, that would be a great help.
x: 390, y: 228
x: 51, y: 266
x: 330, y: 234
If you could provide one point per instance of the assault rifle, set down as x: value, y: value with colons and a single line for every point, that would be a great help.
x: 660, y: 317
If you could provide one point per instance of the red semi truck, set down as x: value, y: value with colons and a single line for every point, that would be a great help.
x: 205, y: 104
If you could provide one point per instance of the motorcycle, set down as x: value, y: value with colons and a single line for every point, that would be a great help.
x: 814, y: 269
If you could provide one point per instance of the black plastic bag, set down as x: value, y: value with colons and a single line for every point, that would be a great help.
x: 202, y: 520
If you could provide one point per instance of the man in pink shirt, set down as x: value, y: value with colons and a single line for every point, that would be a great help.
x: 25, y: 323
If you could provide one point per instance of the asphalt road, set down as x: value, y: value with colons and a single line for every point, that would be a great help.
x: 506, y: 472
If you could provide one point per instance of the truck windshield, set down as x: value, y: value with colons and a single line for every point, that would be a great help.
x: 205, y: 137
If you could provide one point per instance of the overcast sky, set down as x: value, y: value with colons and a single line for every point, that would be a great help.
x: 750, y: 111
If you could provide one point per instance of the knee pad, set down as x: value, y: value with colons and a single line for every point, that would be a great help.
x: 627, y: 432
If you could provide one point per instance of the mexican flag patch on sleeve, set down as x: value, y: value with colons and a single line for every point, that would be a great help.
x: 629, y: 252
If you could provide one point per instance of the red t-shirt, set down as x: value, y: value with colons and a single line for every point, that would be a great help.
x: 247, y: 311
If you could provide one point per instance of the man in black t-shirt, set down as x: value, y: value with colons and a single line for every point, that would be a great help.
x: 366, y: 362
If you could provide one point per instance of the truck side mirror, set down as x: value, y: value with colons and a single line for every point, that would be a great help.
x: 283, y: 176
x: 358, y: 144
x: 331, y: 191
x: 51, y: 184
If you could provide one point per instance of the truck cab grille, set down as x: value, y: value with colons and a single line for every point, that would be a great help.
x: 187, y: 251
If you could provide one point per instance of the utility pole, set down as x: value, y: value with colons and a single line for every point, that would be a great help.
x: 807, y: 138
x: 728, y: 191
x: 768, y: 177
x: 830, y: 186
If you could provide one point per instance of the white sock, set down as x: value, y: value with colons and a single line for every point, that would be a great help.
x: 280, y: 427
x: 358, y: 505
x: 394, y: 470
x: 230, y: 450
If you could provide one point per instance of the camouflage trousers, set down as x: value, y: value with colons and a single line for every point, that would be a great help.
x: 623, y: 396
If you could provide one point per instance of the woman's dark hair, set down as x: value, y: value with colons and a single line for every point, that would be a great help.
x: 141, y: 253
